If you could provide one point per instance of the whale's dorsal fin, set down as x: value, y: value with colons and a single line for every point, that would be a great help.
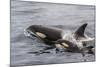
x: 80, y: 30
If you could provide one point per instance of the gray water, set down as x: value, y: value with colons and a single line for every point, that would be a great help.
x: 63, y: 16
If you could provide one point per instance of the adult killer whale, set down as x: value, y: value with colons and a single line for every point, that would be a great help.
x: 59, y: 39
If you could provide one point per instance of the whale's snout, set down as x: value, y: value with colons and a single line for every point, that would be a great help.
x: 26, y: 33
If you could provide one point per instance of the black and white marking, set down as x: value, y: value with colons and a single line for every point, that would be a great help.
x: 59, y: 39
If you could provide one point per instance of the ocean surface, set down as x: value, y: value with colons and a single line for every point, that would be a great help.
x: 67, y: 17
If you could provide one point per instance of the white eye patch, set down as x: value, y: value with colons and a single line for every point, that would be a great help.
x: 65, y: 45
x: 59, y: 46
x: 41, y: 35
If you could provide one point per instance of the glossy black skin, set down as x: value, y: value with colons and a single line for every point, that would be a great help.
x: 72, y: 47
x: 79, y: 33
x: 53, y: 36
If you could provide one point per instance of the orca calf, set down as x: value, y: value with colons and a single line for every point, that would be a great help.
x: 59, y: 39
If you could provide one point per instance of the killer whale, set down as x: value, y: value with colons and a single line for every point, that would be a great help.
x: 58, y: 38
x: 46, y: 34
